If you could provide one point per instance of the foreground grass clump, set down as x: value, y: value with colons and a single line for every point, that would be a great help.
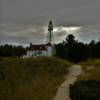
x: 32, y: 78
x: 85, y: 90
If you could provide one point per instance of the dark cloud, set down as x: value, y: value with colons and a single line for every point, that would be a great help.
x: 66, y: 11
x: 25, y: 21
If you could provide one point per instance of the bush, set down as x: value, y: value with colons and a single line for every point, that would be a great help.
x: 85, y: 90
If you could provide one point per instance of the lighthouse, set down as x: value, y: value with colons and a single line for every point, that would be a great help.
x: 47, y: 49
x: 50, y: 32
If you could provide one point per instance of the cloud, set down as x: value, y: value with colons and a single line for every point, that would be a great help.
x: 24, y: 21
x: 21, y: 33
x: 88, y: 33
x: 63, y: 11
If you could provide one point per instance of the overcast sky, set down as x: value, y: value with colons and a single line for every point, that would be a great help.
x: 25, y: 21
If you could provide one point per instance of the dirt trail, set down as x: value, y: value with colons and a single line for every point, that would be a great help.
x: 63, y: 90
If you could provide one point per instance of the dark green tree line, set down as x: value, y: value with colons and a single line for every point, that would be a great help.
x: 11, y: 51
x: 73, y: 50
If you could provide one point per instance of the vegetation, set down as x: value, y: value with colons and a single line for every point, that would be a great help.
x: 91, y: 70
x: 75, y: 51
x: 87, y: 86
x: 85, y: 90
x: 11, y: 51
x: 31, y: 78
x: 38, y: 78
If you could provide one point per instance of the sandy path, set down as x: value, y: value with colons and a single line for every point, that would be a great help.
x: 63, y: 90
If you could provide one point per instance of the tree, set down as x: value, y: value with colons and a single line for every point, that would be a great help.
x: 70, y: 39
x: 9, y: 50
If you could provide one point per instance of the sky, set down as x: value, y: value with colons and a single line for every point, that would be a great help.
x: 25, y: 21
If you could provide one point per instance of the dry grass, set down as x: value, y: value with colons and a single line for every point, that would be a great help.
x: 31, y: 79
x: 91, y: 70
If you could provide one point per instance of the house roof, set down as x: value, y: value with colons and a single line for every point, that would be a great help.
x: 39, y: 47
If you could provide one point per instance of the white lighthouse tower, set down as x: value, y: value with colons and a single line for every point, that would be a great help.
x: 50, y: 34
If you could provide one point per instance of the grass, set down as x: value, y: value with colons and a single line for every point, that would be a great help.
x: 91, y: 70
x: 31, y: 78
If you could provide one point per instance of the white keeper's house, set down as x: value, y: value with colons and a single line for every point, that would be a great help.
x: 47, y: 49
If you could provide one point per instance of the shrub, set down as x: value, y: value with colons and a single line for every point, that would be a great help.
x: 85, y: 90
